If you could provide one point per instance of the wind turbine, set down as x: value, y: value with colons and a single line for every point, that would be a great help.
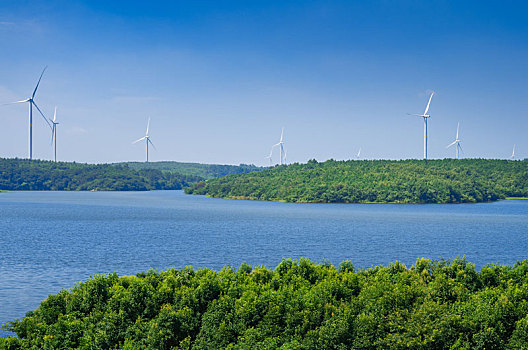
x: 512, y: 157
x: 269, y: 157
x: 31, y: 101
x: 54, y: 134
x: 146, y: 138
x: 359, y: 153
x: 425, y: 116
x: 282, y: 154
x: 456, y: 142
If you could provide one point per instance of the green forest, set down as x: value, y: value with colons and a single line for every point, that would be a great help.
x: 205, y: 171
x: 377, y: 181
x: 437, y: 304
x: 36, y: 175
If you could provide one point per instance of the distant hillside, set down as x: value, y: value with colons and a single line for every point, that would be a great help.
x: 23, y: 174
x: 206, y: 171
x: 378, y: 181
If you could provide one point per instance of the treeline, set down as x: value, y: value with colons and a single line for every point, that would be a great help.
x: 35, y: 175
x: 298, y: 305
x: 206, y: 171
x: 377, y: 181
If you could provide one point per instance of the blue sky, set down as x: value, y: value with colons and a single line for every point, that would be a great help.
x: 220, y: 78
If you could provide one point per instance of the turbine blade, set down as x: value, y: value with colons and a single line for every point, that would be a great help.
x: 55, y: 115
x: 42, y: 114
x: 12, y: 103
x: 460, y: 147
x: 282, y: 133
x: 429, y: 103
x: 451, y: 144
x: 148, y: 140
x: 139, y: 140
x: 53, y: 131
x: 148, y: 126
x: 458, y: 126
x: 36, y: 87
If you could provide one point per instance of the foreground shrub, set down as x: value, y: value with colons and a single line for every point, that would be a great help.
x: 299, y: 305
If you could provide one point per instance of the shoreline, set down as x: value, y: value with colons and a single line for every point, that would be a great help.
x: 344, y: 203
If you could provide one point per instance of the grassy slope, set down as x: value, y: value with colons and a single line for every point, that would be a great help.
x: 381, y: 181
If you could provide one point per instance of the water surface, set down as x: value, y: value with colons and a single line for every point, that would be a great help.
x: 50, y: 240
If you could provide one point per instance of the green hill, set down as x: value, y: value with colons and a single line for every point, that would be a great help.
x: 37, y: 175
x: 206, y: 171
x: 377, y: 181
x: 298, y: 305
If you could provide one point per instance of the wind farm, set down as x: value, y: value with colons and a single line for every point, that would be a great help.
x: 52, y: 124
x: 298, y: 183
x: 282, y: 154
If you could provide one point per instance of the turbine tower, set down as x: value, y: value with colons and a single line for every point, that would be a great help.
x: 147, y: 140
x: 54, y: 134
x: 282, y: 154
x: 31, y: 101
x: 456, y: 142
x: 425, y: 116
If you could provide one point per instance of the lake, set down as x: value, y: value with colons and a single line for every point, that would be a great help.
x: 51, y: 240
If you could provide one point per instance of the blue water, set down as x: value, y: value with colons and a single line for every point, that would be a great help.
x: 51, y: 240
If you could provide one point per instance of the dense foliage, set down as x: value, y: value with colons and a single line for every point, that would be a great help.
x: 206, y: 171
x: 299, y: 305
x: 23, y: 174
x: 378, y: 181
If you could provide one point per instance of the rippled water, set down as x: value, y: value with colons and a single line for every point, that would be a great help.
x: 50, y: 240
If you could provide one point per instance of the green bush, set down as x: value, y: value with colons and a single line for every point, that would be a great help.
x: 298, y: 305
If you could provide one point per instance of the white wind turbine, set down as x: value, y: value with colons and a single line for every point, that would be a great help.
x: 282, y: 154
x: 54, y: 134
x: 456, y: 142
x: 147, y: 139
x: 269, y: 157
x: 512, y: 157
x: 31, y: 101
x: 425, y: 116
x: 359, y: 153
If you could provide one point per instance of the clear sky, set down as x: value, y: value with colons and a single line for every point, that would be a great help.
x: 220, y: 78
